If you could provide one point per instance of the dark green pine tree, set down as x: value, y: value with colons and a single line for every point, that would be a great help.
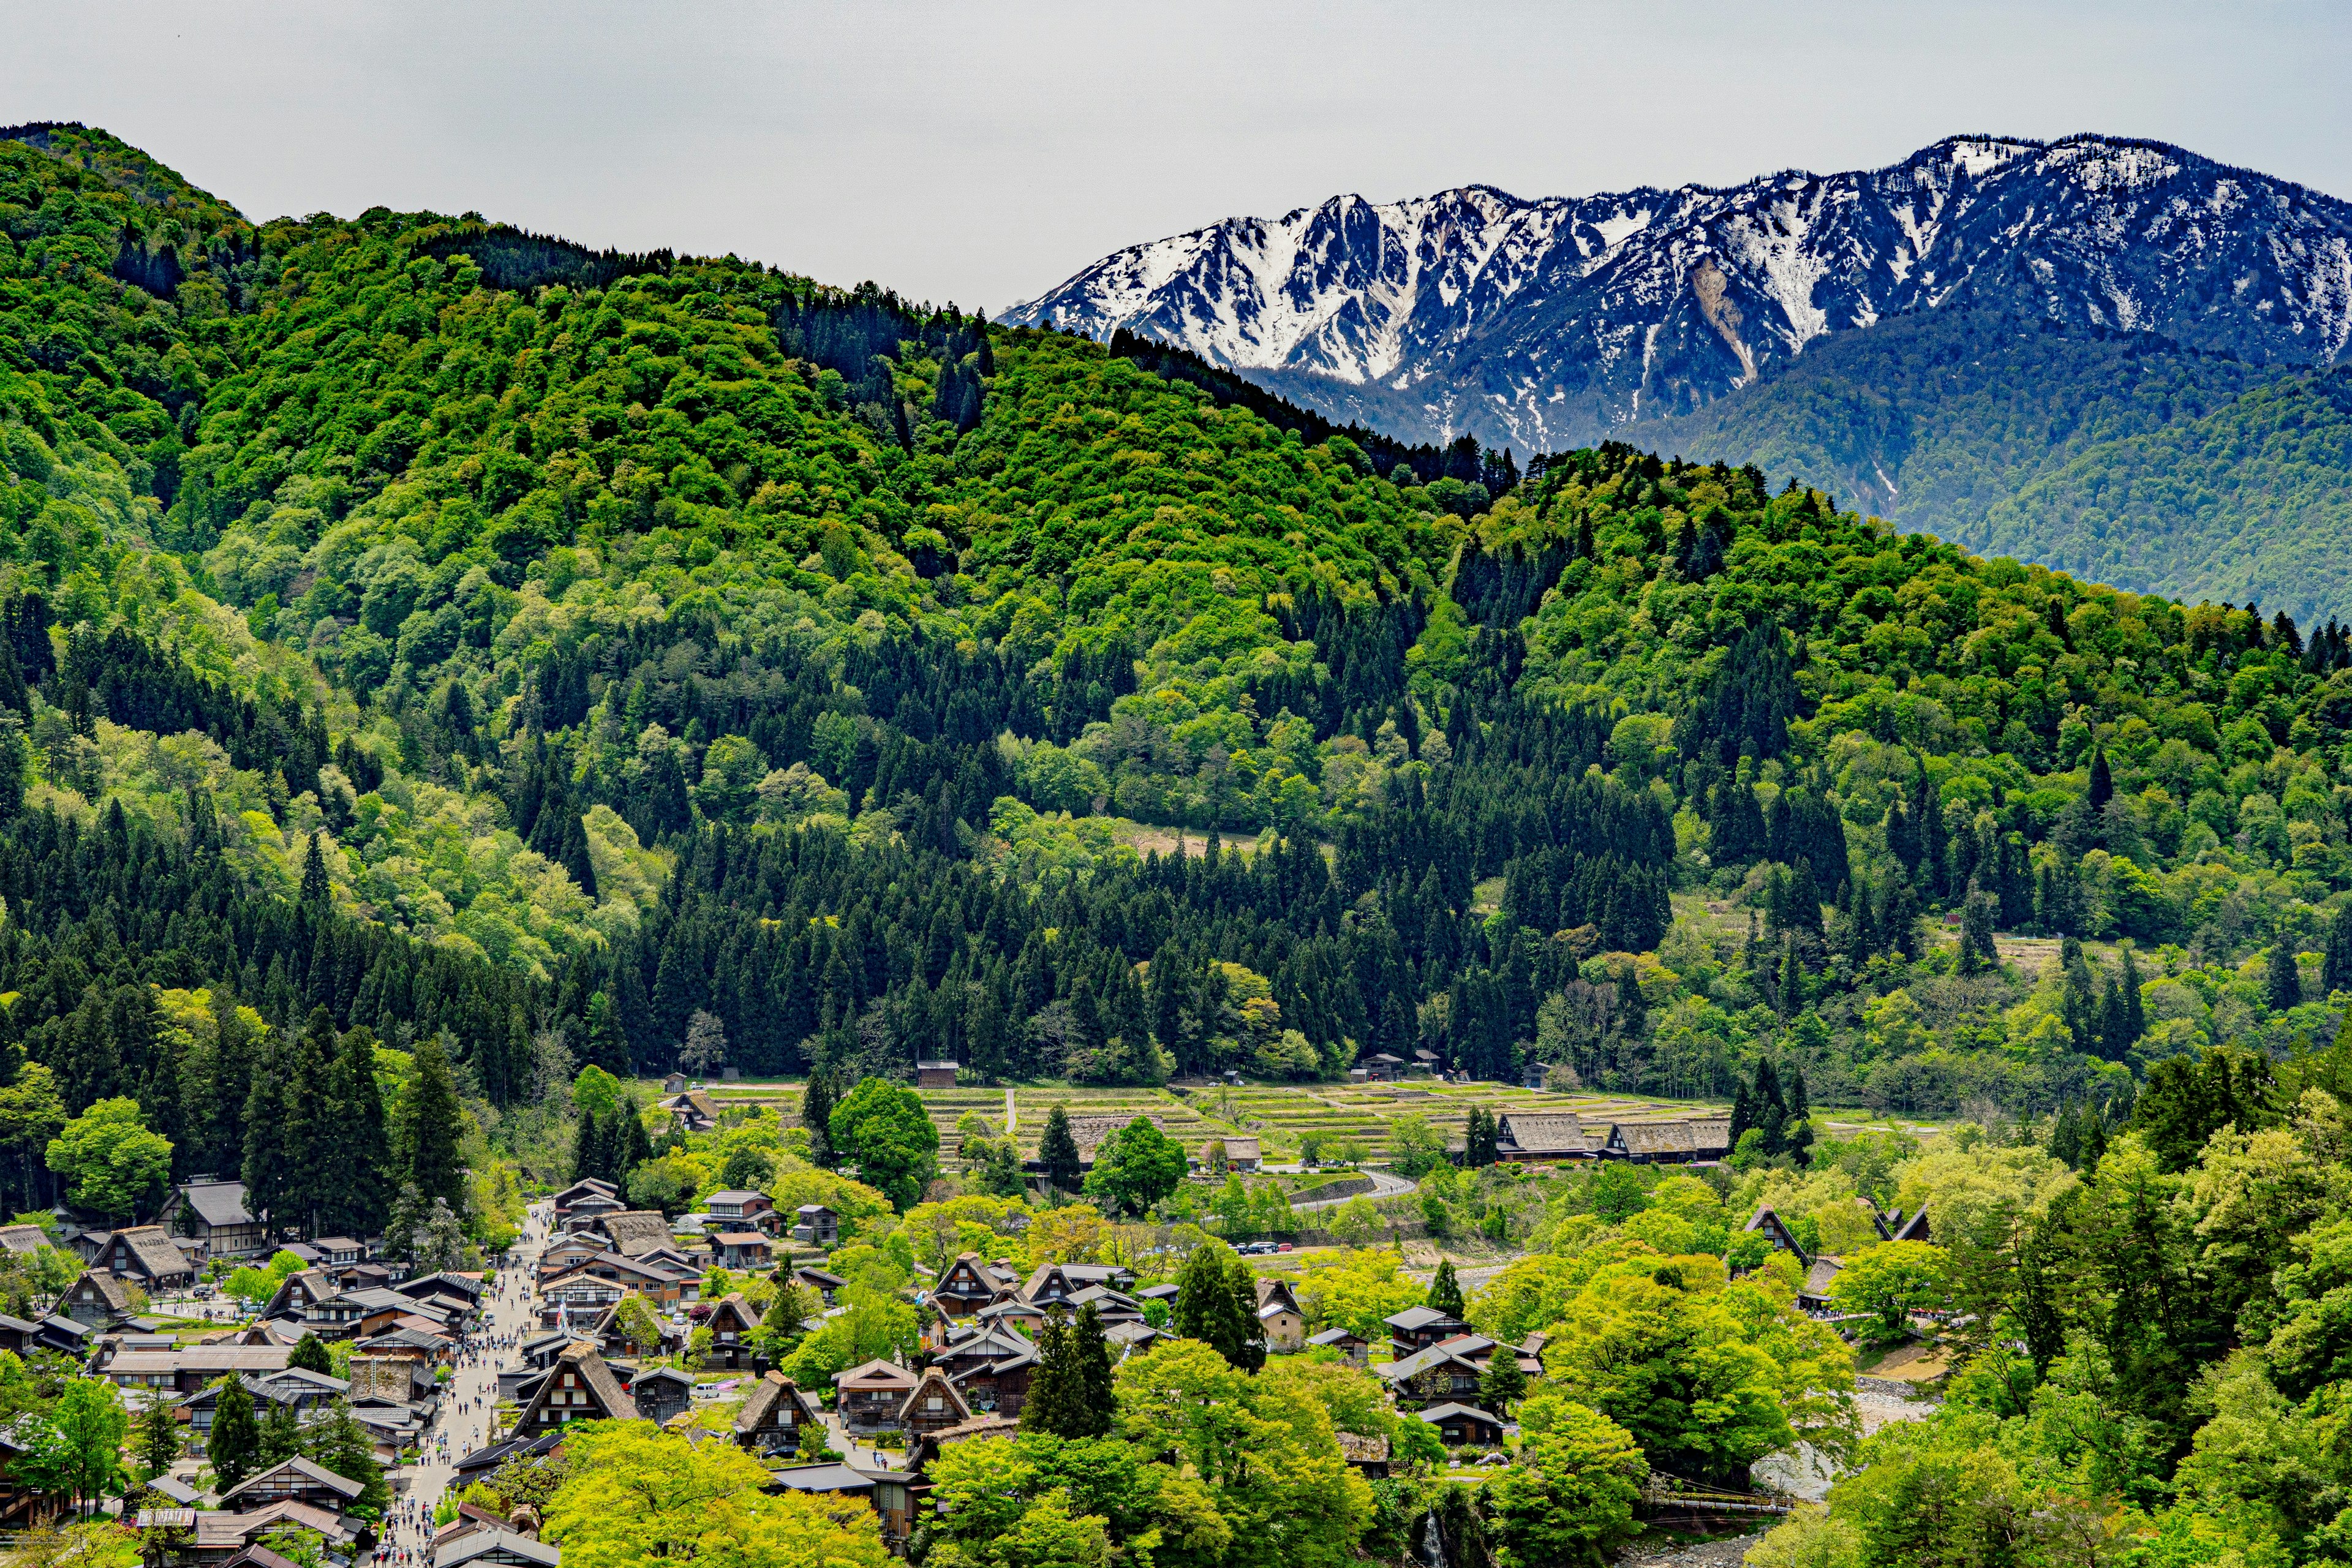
x: 607, y: 1040
x: 1769, y: 1111
x: 2135, y: 1007
x: 281, y: 1434
x: 341, y: 1445
x: 1503, y: 1383
x: 362, y: 1148
x: 2335, y: 955
x: 816, y: 1116
x: 1445, y: 1291
x: 430, y: 1136
x: 573, y: 854
x: 1057, y: 1150
x: 591, y: 1158
x: 1167, y: 1001
x: 2103, y: 781
x: 1050, y: 1405
x: 1796, y: 1125
x: 234, y: 1447
x: 632, y: 1145
x: 1209, y: 1309
x: 308, y: 1125
x: 1090, y: 1370
x: 310, y: 1353
x: 268, y: 1168
x: 2282, y: 976
x: 317, y: 894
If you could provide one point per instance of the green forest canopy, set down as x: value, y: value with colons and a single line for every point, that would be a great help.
x: 602, y: 639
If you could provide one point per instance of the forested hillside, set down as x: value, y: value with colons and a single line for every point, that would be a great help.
x: 630, y: 636
x: 2119, y: 457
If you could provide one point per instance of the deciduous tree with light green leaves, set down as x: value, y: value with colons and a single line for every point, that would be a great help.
x: 1568, y: 1496
x: 1890, y: 1281
x: 113, y: 1162
x: 1135, y: 1167
x: 882, y: 1126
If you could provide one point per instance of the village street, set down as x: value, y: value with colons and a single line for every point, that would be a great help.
x: 470, y: 1398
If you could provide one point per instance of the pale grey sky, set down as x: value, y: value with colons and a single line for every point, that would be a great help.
x: 984, y: 152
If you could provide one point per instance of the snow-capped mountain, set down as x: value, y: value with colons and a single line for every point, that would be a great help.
x: 1541, y: 324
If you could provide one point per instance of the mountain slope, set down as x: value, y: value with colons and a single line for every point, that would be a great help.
x: 669, y: 635
x: 1543, y: 325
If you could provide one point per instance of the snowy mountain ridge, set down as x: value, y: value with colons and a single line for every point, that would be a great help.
x: 1541, y: 324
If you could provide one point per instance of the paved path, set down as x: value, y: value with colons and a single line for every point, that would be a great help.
x: 469, y: 1400
x: 1385, y: 1186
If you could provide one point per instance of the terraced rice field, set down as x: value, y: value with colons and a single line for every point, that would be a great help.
x: 1278, y: 1115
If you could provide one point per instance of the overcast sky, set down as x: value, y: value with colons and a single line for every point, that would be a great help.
x: 982, y: 153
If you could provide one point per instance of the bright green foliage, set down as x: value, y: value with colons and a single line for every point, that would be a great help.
x: 1570, y: 1496
x: 115, y: 1163
x: 77, y: 1450
x: 882, y: 1127
x: 1263, y: 1448
x: 1135, y: 1167
x: 1890, y: 1282
x: 635, y: 1494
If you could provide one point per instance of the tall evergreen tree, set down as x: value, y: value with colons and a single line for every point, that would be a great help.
x: 2336, y: 957
x: 364, y: 1140
x: 1445, y: 1291
x: 1090, y: 1370
x: 2283, y: 979
x: 816, y: 1116
x: 430, y: 1130
x: 281, y: 1434
x: 1057, y: 1150
x: 234, y: 1450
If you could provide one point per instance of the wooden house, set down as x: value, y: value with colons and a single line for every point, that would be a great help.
x: 1279, y: 1316
x: 741, y: 1249
x: 935, y: 1075
x: 741, y: 1205
x: 991, y: 1367
x: 1352, y: 1346
x: 772, y: 1415
x: 934, y: 1403
x: 730, y: 1324
x: 1767, y: 1223
x: 1368, y: 1456
x: 1053, y: 1284
x: 591, y: 1195
x: 871, y: 1397
x: 633, y: 1232
x: 98, y: 1299
x: 828, y: 1286
x: 148, y: 1255
x: 1668, y: 1143
x: 1894, y: 1227
x: 210, y: 1220
x: 1418, y: 1328
x: 659, y: 1392
x: 1524, y: 1138
x: 691, y: 1110
x: 1465, y: 1426
x: 1244, y: 1154
x: 578, y: 1387
x: 496, y: 1549
x: 966, y: 1286
x: 814, y: 1225
x: 1432, y: 1376
x: 293, y: 1480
